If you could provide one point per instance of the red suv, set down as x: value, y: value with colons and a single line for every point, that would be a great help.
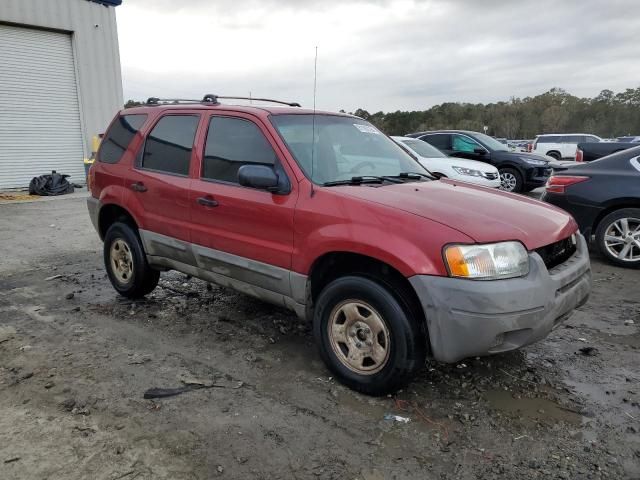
x: 325, y: 215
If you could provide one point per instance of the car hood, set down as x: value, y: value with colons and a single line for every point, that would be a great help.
x: 502, y: 155
x: 462, y: 162
x: 482, y: 214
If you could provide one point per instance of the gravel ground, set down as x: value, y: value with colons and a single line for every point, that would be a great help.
x: 76, y: 359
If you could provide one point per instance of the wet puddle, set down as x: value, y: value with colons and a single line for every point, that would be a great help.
x: 538, y: 409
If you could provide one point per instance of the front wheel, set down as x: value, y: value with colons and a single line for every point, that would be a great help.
x: 618, y: 237
x: 366, y: 337
x: 511, y: 180
x: 126, y: 263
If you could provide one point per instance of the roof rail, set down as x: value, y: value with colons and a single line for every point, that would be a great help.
x: 169, y: 101
x: 212, y: 100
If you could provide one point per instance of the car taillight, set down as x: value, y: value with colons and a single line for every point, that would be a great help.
x: 529, y: 147
x: 579, y: 156
x: 558, y: 184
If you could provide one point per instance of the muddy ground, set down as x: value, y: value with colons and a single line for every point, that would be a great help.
x: 76, y: 359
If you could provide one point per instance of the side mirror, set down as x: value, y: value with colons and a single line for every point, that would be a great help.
x: 261, y: 177
x: 480, y: 151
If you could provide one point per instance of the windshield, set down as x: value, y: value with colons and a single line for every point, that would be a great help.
x: 342, y: 147
x: 490, y: 142
x: 422, y: 148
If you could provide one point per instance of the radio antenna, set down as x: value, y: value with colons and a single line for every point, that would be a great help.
x: 313, y: 122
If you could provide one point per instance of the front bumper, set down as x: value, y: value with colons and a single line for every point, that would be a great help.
x: 482, y: 181
x: 537, y: 176
x: 469, y: 317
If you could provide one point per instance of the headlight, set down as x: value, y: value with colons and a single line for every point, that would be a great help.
x: 533, y: 161
x: 487, y: 262
x: 468, y: 171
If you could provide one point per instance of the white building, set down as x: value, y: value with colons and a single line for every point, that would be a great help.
x: 60, y: 84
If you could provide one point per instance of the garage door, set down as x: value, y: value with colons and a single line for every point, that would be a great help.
x: 39, y: 113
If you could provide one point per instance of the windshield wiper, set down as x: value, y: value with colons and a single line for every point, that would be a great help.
x: 415, y: 175
x: 362, y: 179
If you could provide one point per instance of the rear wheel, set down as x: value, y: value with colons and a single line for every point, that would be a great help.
x: 618, y: 237
x: 366, y: 336
x: 510, y: 180
x: 126, y: 263
x: 555, y: 155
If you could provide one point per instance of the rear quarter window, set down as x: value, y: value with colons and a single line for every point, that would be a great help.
x: 442, y: 141
x: 119, y: 136
x: 169, y: 145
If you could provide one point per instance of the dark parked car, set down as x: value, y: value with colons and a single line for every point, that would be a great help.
x: 519, y: 171
x: 589, y: 151
x: 604, y: 198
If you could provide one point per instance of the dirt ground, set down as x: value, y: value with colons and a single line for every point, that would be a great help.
x: 76, y: 359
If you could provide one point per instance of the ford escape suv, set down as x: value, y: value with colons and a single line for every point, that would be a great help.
x: 323, y: 214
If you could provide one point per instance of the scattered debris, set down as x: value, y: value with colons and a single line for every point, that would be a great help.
x: 171, y: 392
x: 581, y: 339
x: 198, y: 381
x: 629, y: 322
x: 11, y: 460
x: 69, y: 296
x: 54, y: 277
x: 589, y: 351
x: 397, y: 418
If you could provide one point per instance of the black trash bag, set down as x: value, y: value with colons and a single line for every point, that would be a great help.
x: 50, y: 185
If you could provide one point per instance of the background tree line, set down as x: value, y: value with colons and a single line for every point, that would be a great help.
x: 608, y: 115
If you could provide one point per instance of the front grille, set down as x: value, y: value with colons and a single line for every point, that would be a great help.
x: 490, y: 176
x: 557, y: 253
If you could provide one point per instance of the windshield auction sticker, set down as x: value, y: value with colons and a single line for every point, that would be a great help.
x: 366, y: 128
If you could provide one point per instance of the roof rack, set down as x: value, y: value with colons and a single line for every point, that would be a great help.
x: 212, y: 99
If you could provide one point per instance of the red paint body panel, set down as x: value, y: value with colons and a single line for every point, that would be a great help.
x: 405, y: 226
x: 486, y: 215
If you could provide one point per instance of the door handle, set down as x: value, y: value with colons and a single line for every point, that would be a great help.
x: 138, y: 187
x: 207, y: 202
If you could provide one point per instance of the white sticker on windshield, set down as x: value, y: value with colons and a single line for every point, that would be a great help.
x: 366, y: 128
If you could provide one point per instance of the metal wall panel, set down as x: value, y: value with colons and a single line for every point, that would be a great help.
x: 94, y: 40
x: 40, y: 127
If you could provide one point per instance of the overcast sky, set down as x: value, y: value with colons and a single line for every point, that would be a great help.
x: 378, y: 54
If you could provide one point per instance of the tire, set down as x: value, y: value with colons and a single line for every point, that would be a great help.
x: 612, y: 226
x: 126, y: 263
x: 555, y: 155
x: 362, y: 307
x: 510, y: 180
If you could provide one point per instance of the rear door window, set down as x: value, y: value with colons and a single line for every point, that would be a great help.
x: 232, y: 143
x: 464, y: 144
x: 442, y: 141
x: 169, y: 145
x: 119, y: 136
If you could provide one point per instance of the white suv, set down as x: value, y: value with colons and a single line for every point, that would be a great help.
x: 562, y: 146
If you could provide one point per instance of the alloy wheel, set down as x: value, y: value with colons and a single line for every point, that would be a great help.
x: 121, y: 261
x: 359, y: 337
x: 622, y: 239
x: 508, y: 181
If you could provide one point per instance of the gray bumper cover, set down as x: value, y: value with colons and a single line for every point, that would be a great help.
x: 468, y: 317
x: 93, y: 204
